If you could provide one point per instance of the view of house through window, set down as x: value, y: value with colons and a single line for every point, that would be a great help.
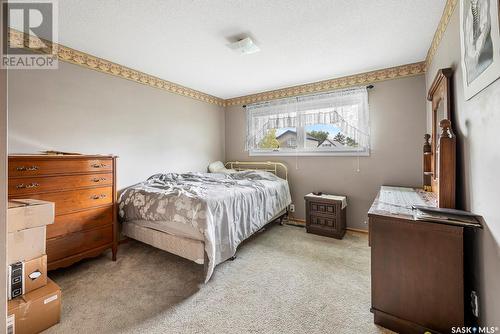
x: 334, y: 123
x: 317, y: 136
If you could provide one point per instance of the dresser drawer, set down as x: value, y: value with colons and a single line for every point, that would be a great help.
x: 32, y: 167
x: 77, y: 200
x: 79, y: 242
x: 323, y: 208
x: 80, y: 221
x: 32, y: 185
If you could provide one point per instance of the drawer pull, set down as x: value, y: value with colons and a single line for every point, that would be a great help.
x: 98, y: 179
x: 27, y: 186
x: 27, y: 169
x: 97, y: 165
x: 96, y: 197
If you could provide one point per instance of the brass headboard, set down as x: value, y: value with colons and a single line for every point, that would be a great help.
x: 277, y: 168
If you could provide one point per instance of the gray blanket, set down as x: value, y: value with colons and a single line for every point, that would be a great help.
x: 226, y: 209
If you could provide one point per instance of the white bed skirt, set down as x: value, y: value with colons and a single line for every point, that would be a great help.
x: 190, y: 249
x: 187, y: 248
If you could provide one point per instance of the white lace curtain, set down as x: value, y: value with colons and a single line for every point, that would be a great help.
x: 346, y: 109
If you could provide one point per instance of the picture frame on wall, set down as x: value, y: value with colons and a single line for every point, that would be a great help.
x: 480, y: 44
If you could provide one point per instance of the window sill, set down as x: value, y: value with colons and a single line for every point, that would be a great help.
x: 310, y: 154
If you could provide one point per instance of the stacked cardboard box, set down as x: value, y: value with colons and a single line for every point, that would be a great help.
x: 34, y: 300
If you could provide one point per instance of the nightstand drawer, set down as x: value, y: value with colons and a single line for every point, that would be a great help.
x: 323, y: 221
x: 324, y: 208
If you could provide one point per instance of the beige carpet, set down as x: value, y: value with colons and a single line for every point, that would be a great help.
x: 283, y: 281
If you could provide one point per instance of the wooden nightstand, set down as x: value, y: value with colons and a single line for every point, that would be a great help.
x: 326, y: 215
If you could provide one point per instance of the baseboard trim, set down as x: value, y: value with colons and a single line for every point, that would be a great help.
x: 302, y: 223
x: 125, y: 240
x: 296, y: 221
x: 357, y: 230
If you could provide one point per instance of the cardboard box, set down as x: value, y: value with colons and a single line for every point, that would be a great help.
x: 27, y: 276
x: 35, y: 311
x: 25, y: 244
x: 29, y: 213
x: 35, y: 273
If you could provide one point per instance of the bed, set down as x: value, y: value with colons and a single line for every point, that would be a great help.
x: 203, y: 217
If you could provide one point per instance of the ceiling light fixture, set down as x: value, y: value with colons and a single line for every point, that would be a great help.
x: 244, y: 46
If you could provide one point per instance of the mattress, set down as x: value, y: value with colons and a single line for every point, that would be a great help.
x: 219, y: 210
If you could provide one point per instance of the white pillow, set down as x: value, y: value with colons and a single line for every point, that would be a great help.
x: 218, y: 167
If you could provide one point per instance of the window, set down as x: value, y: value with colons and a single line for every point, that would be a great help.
x: 334, y: 123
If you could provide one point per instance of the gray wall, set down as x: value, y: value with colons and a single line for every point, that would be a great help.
x: 397, y: 117
x: 3, y: 196
x: 79, y: 110
x: 477, y: 125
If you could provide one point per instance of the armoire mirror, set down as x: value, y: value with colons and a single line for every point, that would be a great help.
x: 443, y: 141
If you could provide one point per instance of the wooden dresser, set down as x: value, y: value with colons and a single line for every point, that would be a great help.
x: 417, y: 268
x: 326, y: 215
x: 83, y: 188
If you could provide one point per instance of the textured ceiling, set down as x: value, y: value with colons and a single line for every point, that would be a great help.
x: 184, y: 41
